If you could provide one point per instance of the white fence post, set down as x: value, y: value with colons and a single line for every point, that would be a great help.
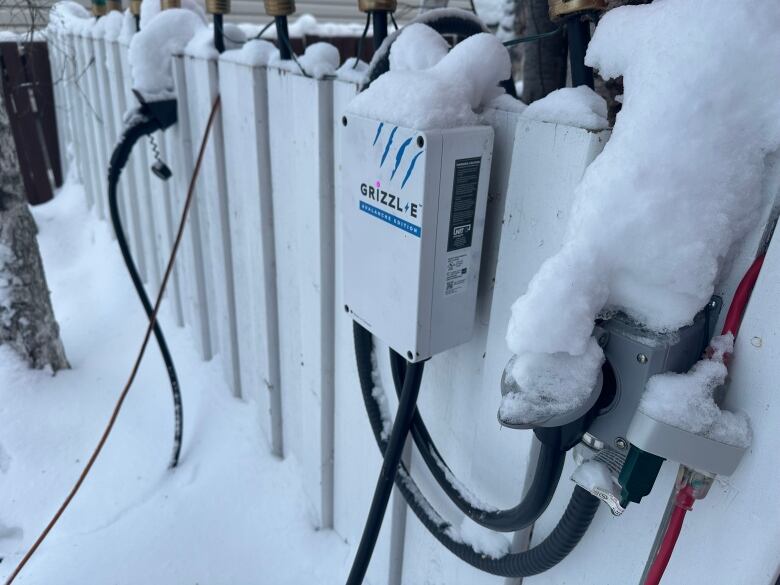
x: 245, y: 128
x: 211, y: 191
x: 87, y: 122
x: 99, y: 161
x: 302, y: 169
x: 190, y: 264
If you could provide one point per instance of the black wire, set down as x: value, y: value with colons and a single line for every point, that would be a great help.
x: 286, y: 42
x: 384, y: 485
x: 264, y: 29
x: 145, y: 126
x: 547, y: 474
x: 219, y: 34
x: 561, y: 541
x: 392, y: 19
x: 361, y: 40
x: 218, y: 23
x: 530, y: 38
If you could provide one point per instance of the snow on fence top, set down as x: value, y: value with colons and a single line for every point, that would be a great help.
x: 427, y: 93
x: 152, y: 48
x: 573, y: 106
x: 658, y: 212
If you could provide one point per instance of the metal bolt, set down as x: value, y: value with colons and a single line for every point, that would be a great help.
x: 756, y: 342
x: 621, y: 443
x: 641, y: 358
x: 603, y: 338
x: 713, y: 304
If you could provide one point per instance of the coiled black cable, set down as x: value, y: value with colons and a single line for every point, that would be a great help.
x: 394, y: 448
x: 548, y: 470
x: 149, y: 118
x: 565, y: 536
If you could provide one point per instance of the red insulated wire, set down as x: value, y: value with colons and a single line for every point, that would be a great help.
x: 741, y: 297
x: 683, y: 503
x: 684, y: 500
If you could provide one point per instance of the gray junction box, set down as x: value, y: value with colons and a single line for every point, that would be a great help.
x: 413, y: 218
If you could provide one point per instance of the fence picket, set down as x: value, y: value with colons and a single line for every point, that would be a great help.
x: 190, y: 264
x: 302, y: 136
x: 215, y: 224
x: 245, y: 129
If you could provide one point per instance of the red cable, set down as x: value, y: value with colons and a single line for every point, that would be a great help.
x: 741, y: 297
x: 684, y: 500
x: 683, y: 503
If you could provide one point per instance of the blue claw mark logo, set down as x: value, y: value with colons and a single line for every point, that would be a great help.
x: 411, y: 168
x: 378, y: 132
x: 399, y: 155
x: 389, y: 144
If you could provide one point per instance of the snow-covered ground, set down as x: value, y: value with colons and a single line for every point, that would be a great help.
x: 230, y: 514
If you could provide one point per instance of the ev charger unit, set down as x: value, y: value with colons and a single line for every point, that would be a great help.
x: 413, y: 217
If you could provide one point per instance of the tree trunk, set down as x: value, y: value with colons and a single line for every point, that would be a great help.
x: 27, y: 322
x: 544, y: 61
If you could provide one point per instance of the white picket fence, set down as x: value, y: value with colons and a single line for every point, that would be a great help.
x: 258, y: 283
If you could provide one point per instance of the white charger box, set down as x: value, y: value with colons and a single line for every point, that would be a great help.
x: 413, y: 218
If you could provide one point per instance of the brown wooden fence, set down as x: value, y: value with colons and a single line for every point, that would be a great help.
x: 27, y: 91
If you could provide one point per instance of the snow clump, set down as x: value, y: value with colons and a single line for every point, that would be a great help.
x: 591, y: 475
x: 353, y: 72
x: 445, y: 95
x: 152, y: 48
x: 202, y: 44
x: 686, y: 401
x: 421, y: 48
x: 574, y: 106
x: 254, y: 53
x: 108, y: 26
x: 151, y: 8
x: 680, y: 182
x: 69, y: 16
x: 487, y: 542
x: 538, y: 386
x: 318, y: 60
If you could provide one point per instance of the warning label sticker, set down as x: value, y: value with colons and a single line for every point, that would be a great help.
x: 464, y: 203
x: 457, y: 274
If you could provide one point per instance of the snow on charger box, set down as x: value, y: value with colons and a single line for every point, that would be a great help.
x: 413, y: 217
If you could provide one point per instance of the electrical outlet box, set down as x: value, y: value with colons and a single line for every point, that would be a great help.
x: 413, y: 217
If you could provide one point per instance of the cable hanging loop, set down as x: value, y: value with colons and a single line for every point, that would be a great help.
x: 147, y: 336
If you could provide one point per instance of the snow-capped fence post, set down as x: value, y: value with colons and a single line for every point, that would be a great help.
x: 244, y: 92
x: 301, y: 133
x: 84, y: 118
x: 211, y: 191
x: 60, y: 66
x: 190, y: 264
x: 99, y: 159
